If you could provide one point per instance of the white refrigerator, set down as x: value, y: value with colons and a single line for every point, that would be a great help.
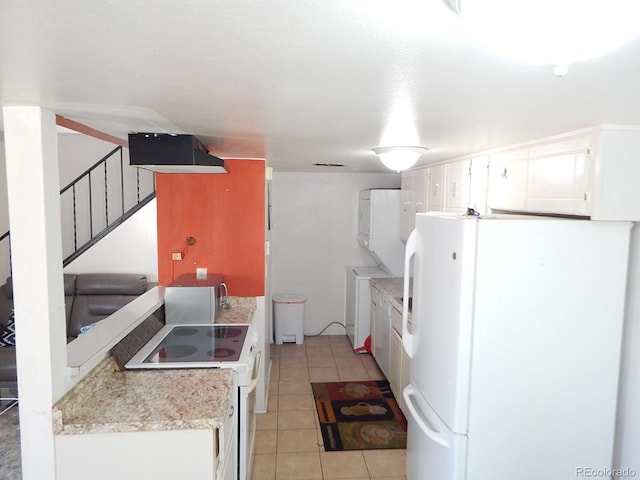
x: 515, y: 346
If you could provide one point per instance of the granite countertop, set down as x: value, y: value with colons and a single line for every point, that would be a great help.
x: 144, y: 400
x: 106, y: 400
x: 392, y: 288
x: 240, y: 310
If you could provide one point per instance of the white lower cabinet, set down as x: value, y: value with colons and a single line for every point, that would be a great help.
x: 395, y: 372
x: 157, y: 455
x: 386, y: 335
x: 399, y: 361
x: 382, y: 332
x: 196, y: 454
x: 404, y: 380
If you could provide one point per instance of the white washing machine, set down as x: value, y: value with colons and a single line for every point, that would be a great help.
x: 358, y: 303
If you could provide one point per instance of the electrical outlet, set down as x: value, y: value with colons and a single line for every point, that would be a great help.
x: 176, y: 256
x: 201, y: 273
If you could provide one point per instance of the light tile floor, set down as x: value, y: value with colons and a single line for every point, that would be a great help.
x: 288, y: 439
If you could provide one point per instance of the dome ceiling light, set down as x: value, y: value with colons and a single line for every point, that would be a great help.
x: 399, y: 158
x: 552, y: 32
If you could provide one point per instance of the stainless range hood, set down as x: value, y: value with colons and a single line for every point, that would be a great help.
x: 172, y: 153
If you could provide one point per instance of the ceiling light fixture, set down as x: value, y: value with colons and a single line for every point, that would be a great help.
x: 552, y: 32
x: 399, y: 158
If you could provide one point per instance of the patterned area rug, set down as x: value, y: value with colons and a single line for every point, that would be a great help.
x: 359, y: 416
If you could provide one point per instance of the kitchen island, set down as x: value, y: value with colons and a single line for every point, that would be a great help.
x: 156, y: 424
x: 162, y: 424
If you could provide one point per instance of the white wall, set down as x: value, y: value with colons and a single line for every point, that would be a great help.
x: 131, y: 248
x: 628, y: 428
x: 314, y: 229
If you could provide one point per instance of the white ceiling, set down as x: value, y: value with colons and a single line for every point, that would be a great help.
x: 297, y: 81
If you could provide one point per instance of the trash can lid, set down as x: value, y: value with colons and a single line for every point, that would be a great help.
x: 289, y: 298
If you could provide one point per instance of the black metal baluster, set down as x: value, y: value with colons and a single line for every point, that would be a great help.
x: 106, y: 196
x: 75, y: 218
x: 121, y: 181
x: 90, y: 206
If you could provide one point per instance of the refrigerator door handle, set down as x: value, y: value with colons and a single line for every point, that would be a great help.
x: 409, y: 393
x: 409, y: 252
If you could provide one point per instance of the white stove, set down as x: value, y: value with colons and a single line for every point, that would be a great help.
x: 212, y: 345
x: 200, y: 346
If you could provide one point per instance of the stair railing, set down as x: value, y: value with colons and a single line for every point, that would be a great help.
x: 91, y: 206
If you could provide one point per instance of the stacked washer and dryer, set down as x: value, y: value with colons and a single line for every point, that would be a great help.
x: 378, y: 232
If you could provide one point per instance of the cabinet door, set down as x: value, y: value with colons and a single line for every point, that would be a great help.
x: 407, y: 216
x: 558, y: 177
x: 383, y: 333
x: 458, y: 182
x: 508, y: 180
x: 375, y: 295
x: 364, y: 216
x: 420, y: 191
x: 435, y: 188
x: 404, y: 379
x: 479, y: 180
x: 395, y: 364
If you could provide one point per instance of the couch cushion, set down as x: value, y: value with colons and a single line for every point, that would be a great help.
x: 111, y: 284
x: 69, y: 280
x: 88, y: 309
x: 8, y: 364
x: 6, y: 297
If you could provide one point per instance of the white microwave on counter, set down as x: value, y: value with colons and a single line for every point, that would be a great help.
x: 189, y: 299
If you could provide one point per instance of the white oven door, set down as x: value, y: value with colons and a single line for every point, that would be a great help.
x: 247, y: 402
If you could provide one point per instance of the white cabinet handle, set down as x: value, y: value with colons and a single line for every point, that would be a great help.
x: 409, y: 252
x: 254, y: 381
x: 504, y: 173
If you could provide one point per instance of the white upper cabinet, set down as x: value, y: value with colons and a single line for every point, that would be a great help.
x: 558, y: 177
x: 420, y: 191
x: 458, y: 185
x: 592, y: 173
x: 614, y: 192
x: 413, y: 199
x: 435, y: 188
x: 479, y: 183
x: 407, y: 217
x: 508, y: 179
x: 364, y: 216
x: 548, y: 177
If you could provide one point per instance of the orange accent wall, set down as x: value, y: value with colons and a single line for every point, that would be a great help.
x: 225, y: 214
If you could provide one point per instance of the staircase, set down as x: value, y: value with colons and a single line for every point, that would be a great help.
x: 96, y: 202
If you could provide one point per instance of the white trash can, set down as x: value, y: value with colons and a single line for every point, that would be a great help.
x: 288, y: 318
